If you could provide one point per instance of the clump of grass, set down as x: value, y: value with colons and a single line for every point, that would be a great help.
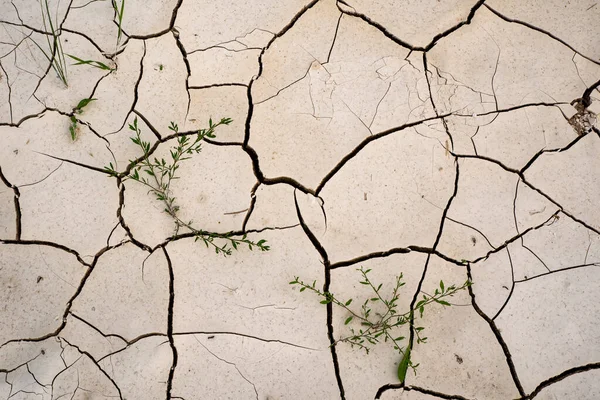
x: 119, y: 11
x: 54, y: 53
x: 157, y: 175
x: 380, y: 325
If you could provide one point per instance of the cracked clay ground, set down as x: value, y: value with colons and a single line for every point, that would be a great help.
x: 444, y: 140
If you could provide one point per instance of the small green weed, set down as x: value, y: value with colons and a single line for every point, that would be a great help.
x: 157, y: 175
x: 375, y: 326
x: 77, y: 110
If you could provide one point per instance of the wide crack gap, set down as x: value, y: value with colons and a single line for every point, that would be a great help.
x: 326, y: 285
x: 170, y: 322
x: 17, y: 205
x: 497, y: 334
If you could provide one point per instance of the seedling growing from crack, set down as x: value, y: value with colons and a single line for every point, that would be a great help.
x: 119, y: 13
x: 93, y: 63
x: 54, y: 54
x: 77, y: 110
x: 373, y: 326
x: 157, y: 175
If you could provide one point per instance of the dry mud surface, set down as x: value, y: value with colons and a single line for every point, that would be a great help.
x: 449, y: 140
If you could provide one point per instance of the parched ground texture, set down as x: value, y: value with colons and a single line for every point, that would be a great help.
x: 444, y: 140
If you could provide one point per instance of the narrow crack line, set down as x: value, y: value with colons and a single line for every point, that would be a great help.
x: 429, y: 392
x: 25, y: 118
x: 378, y: 104
x: 456, y: 27
x: 555, y: 150
x: 405, y: 44
x: 522, y: 176
x: 45, y: 243
x: 91, y: 167
x: 378, y: 26
x: 518, y: 236
x: 111, y: 233
x: 216, y: 143
x: 161, y: 32
x: 152, y: 128
x: 217, y: 85
x: 135, y: 91
x: 170, y: 322
x: 228, y: 363
x: 208, y: 333
x: 435, y: 244
x: 8, y: 371
x: 188, y: 69
x: 44, y: 178
x: 245, y: 336
x: 513, y: 108
x: 586, y: 99
x: 91, y: 358
x: 435, y: 109
x: 596, y: 264
x: 17, y: 205
x: 327, y: 283
x: 560, y: 377
x: 472, y: 227
x: 249, y: 150
x: 535, y: 255
x: 77, y: 317
x: 337, y: 27
x: 396, y: 250
x: 90, y: 267
x: 189, y: 235
x: 252, y: 205
x: 89, y: 39
x: 497, y: 334
x: 540, y: 30
x: 121, y: 219
x: 273, y: 181
x: 8, y: 85
x: 512, y: 287
x: 591, y: 228
x: 364, y: 143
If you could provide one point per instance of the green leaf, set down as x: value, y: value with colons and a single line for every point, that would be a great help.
x: 442, y: 302
x: 442, y: 286
x: 83, y: 103
x: 348, y: 320
x: 303, y: 288
x: 348, y: 302
x: 403, y: 366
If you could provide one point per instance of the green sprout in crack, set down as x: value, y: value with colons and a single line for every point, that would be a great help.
x: 73, y: 120
x: 96, y: 64
x: 157, y: 175
x: 378, y: 316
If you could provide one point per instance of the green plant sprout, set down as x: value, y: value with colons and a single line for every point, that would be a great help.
x: 55, y: 54
x: 77, y: 110
x: 93, y: 63
x: 375, y: 326
x: 119, y: 12
x: 157, y: 175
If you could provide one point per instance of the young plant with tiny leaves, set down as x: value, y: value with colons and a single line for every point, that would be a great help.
x: 378, y: 316
x: 157, y: 175
x: 77, y: 110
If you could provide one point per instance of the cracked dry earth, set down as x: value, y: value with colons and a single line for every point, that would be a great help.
x: 442, y: 140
